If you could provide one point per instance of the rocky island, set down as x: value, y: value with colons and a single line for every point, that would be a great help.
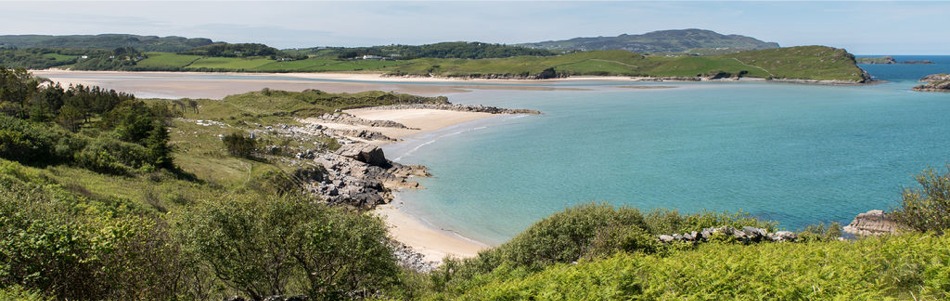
x: 934, y: 83
x: 889, y: 60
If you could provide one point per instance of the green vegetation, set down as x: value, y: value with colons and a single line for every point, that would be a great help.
x: 595, y: 252
x: 806, y: 62
x: 877, y: 60
x: 163, y: 61
x: 927, y: 208
x: 663, y: 41
x: 128, y: 135
x: 103, y: 42
x: 671, y: 57
x: 213, y: 225
x: 911, y: 267
x: 232, y: 50
x: 809, y: 63
x: 210, y: 226
x: 447, y: 50
x: 284, y: 245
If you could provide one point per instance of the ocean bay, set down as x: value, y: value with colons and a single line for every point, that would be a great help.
x: 796, y: 154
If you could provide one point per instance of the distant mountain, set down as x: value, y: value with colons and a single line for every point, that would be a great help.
x: 104, y: 41
x: 682, y: 40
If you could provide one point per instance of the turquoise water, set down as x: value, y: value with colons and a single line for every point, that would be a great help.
x: 797, y: 154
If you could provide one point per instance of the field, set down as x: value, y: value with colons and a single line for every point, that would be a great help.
x: 170, y: 61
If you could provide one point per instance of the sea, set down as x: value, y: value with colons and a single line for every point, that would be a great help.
x: 792, y: 153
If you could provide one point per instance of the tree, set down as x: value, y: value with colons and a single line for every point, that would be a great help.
x: 240, y: 146
x: 927, y: 208
x: 159, y: 152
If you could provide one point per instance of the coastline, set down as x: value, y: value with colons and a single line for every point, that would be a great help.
x: 432, y: 242
x: 383, y: 77
x: 427, y: 239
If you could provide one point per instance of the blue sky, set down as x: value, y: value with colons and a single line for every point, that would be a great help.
x: 862, y: 27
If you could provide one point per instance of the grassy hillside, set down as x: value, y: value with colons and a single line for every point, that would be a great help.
x: 664, y: 41
x: 103, y: 41
x: 808, y: 63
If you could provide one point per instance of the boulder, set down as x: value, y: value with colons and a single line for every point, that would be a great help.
x: 873, y: 222
x: 666, y: 238
x: 783, y: 236
x: 366, y: 153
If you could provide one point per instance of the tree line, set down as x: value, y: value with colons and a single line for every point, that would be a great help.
x: 457, y: 50
x: 43, y: 123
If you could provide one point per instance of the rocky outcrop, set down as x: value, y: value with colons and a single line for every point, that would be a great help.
x: 745, y: 235
x: 366, y: 153
x: 873, y: 222
x: 344, y: 118
x: 934, y: 83
x: 460, y: 108
x: 359, y: 175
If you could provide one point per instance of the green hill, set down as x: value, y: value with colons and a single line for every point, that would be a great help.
x: 664, y: 41
x: 804, y: 63
x: 103, y: 41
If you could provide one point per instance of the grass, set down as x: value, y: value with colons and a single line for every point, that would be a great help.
x: 233, y: 64
x: 199, y: 152
x: 164, y: 60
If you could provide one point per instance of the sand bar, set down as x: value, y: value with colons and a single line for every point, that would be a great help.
x: 217, y: 85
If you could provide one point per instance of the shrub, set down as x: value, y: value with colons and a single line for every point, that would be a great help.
x: 927, y: 208
x: 112, y: 156
x: 269, y: 245
x: 73, y: 247
x: 21, y: 141
x: 240, y: 146
x: 566, y: 236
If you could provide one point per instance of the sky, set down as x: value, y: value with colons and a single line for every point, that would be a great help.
x: 862, y: 27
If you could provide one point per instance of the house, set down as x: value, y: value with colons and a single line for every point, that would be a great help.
x: 371, y: 57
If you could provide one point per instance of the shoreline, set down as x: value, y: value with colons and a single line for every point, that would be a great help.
x: 216, y: 88
x: 382, y: 77
x: 427, y: 239
x: 432, y: 242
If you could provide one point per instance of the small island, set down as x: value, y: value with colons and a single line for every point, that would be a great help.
x: 934, y: 83
x: 889, y: 60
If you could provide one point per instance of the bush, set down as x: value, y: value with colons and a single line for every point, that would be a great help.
x: 240, y: 146
x: 22, y: 141
x: 269, y: 245
x: 566, y: 236
x: 73, y: 247
x: 909, y: 267
x: 112, y: 156
x: 927, y: 208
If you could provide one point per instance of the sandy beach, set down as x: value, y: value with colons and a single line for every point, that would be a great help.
x: 433, y: 243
